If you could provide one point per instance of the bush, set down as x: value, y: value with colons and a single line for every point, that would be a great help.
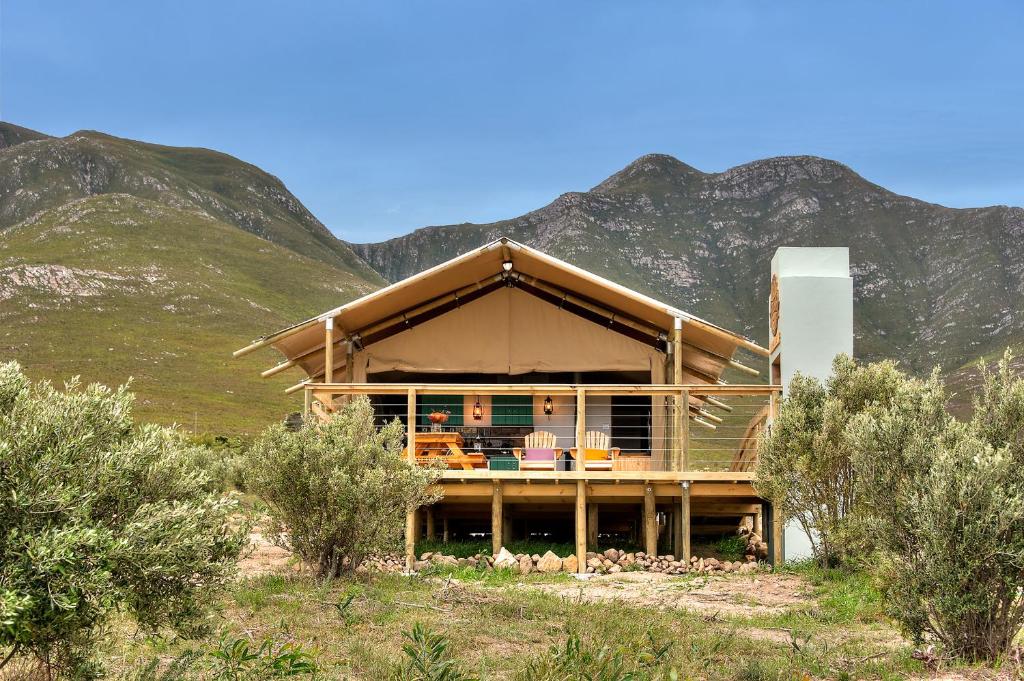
x: 947, y: 499
x: 100, y: 515
x: 805, y: 462
x: 577, y: 659
x: 427, y: 658
x: 337, y: 491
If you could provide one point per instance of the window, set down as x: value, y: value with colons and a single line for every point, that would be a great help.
x: 428, y: 403
x: 512, y: 410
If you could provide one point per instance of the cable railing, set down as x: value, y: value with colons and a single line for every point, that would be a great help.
x: 621, y: 428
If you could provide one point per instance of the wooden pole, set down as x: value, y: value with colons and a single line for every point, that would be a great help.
x: 684, y: 437
x: 758, y: 523
x: 581, y: 526
x: 650, y: 522
x: 329, y: 350
x: 777, y: 555
x: 431, y: 529
x: 307, y: 401
x: 581, y: 429
x: 410, y: 437
x: 592, y: 526
x: 350, y: 368
x: 496, y: 518
x: 681, y: 409
x: 684, y: 523
x: 410, y: 540
x: 444, y: 530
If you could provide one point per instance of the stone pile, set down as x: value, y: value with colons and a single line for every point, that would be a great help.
x: 756, y: 549
x: 611, y: 561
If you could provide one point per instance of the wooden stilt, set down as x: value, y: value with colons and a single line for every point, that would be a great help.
x: 581, y: 526
x: 329, y: 350
x: 431, y: 534
x: 410, y: 540
x: 650, y: 522
x: 683, y: 548
x: 444, y: 530
x: 759, y: 523
x: 592, y: 526
x: 776, y: 543
x: 496, y: 519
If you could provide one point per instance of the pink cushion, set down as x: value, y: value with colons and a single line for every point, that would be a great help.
x: 538, y: 455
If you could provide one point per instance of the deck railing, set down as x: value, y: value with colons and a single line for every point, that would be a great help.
x: 625, y: 427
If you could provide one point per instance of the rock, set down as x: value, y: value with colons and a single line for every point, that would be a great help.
x: 607, y: 563
x: 549, y: 562
x: 525, y: 565
x: 450, y: 560
x: 590, y: 554
x: 669, y: 558
x: 426, y: 556
x: 536, y: 558
x: 594, y: 562
x: 570, y: 564
x: 419, y: 565
x: 504, y: 559
x: 613, y: 569
x: 590, y: 570
x: 612, y: 555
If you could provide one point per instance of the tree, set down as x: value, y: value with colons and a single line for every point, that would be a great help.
x: 100, y: 515
x: 337, y: 491
x: 805, y: 461
x: 947, y: 501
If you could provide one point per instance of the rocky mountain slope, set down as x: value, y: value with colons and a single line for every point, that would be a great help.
x: 933, y: 285
x: 125, y: 260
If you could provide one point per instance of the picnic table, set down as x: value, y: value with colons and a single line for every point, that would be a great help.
x: 447, y: 447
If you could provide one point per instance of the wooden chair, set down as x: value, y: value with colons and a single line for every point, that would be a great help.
x: 598, y: 454
x: 538, y: 452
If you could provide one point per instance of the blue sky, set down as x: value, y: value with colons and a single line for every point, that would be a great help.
x: 384, y: 117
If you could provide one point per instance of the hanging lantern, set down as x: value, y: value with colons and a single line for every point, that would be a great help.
x: 478, y: 410
x: 549, y: 406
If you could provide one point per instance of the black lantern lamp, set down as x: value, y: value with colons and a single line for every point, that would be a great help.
x: 549, y: 406
x: 478, y: 410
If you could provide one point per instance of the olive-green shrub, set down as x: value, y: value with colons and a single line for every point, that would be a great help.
x: 337, y: 491
x: 805, y: 461
x: 946, y: 499
x: 100, y: 515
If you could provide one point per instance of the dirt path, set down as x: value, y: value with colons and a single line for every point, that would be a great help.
x: 732, y: 595
x: 264, y: 558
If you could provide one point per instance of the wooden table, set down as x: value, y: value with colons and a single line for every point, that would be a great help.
x: 447, y: 447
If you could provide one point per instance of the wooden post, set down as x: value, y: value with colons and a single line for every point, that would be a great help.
x: 410, y: 437
x: 496, y: 518
x: 581, y: 526
x: 581, y: 429
x: 410, y: 540
x: 329, y: 350
x: 650, y: 521
x: 444, y: 530
x: 307, y: 403
x: 776, y: 542
x: 684, y: 436
x: 431, y: 533
x: 684, y: 522
x: 592, y: 526
x: 758, y: 523
x: 681, y: 411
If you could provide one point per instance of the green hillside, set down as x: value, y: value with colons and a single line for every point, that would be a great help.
x: 39, y: 172
x: 116, y: 287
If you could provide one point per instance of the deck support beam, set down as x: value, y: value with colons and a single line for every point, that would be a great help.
x: 497, y: 524
x: 581, y: 526
x: 444, y: 529
x: 650, y: 522
x: 592, y: 511
x: 431, y: 525
x: 411, y: 528
x: 684, y: 531
x: 581, y: 428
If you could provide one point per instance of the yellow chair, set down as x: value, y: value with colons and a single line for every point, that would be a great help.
x: 598, y: 454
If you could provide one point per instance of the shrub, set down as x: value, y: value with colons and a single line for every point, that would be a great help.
x: 427, y: 658
x: 100, y: 515
x: 805, y: 461
x: 947, y: 499
x: 337, y: 491
x: 577, y: 659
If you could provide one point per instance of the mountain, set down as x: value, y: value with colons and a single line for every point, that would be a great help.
x: 123, y: 259
x: 933, y: 285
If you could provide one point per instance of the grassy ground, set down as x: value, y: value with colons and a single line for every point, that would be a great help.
x: 500, y: 625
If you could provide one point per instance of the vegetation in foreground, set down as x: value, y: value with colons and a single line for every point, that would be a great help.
x: 100, y: 516
x: 878, y: 472
x: 394, y: 627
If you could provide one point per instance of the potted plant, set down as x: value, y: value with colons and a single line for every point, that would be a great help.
x: 438, y: 417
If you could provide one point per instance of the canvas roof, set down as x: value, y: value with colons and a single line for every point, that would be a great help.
x: 441, y: 288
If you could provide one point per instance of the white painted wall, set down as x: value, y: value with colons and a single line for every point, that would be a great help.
x: 815, y: 324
